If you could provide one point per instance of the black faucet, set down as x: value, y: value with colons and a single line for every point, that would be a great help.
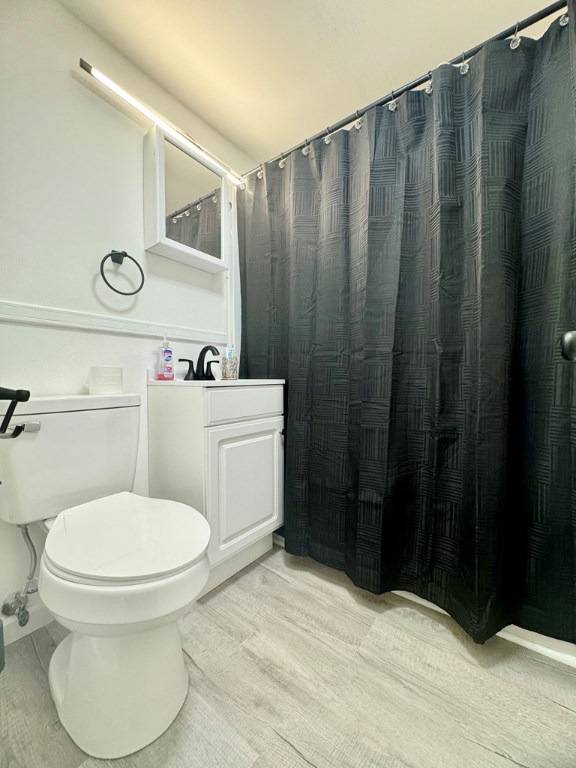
x: 202, y: 372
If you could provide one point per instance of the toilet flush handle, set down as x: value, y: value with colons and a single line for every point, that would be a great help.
x: 15, y: 396
x: 17, y: 429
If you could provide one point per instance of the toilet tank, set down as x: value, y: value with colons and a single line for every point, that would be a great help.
x: 85, y: 449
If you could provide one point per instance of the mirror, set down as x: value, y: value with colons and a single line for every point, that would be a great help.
x: 192, y: 194
x: 186, y: 204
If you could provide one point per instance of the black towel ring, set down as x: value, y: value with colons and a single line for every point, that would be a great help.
x: 118, y: 257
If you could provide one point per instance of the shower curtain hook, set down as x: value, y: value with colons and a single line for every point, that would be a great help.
x: 260, y: 173
x: 214, y: 199
x: 327, y: 138
x: 359, y: 121
x: 306, y: 148
x: 464, y: 66
x: 430, y: 85
x: 564, y: 19
x: 515, y: 42
x: 393, y: 104
x: 282, y: 163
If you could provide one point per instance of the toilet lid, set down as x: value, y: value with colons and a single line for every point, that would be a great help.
x: 126, y: 538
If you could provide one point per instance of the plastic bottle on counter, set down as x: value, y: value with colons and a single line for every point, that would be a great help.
x: 165, y: 362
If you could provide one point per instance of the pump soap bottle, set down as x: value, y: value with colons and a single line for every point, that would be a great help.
x: 165, y: 362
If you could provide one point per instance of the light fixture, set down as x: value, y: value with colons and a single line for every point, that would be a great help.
x: 180, y: 138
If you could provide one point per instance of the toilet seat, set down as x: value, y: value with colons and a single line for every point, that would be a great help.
x: 124, y: 540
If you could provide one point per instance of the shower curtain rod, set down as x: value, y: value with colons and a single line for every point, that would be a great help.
x: 187, y: 207
x: 513, y: 30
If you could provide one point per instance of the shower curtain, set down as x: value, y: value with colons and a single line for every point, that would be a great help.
x: 200, y: 229
x: 410, y: 280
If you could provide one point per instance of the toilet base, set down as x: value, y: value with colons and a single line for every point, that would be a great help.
x: 116, y: 695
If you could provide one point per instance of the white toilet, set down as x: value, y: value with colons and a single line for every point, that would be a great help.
x: 118, y: 569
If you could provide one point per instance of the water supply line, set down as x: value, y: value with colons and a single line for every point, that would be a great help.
x: 16, y: 604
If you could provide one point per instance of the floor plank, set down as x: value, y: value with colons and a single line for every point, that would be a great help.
x: 198, y: 737
x: 291, y: 666
x: 31, y: 735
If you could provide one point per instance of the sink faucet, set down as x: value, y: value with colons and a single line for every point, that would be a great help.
x: 202, y: 372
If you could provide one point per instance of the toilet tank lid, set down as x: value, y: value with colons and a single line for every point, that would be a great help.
x: 67, y: 403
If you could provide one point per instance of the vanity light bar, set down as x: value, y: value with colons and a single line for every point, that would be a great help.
x: 179, y: 138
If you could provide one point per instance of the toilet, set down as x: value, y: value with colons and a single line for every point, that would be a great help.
x: 118, y: 569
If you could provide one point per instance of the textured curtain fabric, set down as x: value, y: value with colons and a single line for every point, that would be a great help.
x: 410, y: 280
x: 200, y: 229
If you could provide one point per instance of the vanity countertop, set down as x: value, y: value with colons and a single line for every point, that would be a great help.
x: 216, y: 383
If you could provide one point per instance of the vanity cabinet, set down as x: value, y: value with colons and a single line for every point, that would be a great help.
x: 218, y: 446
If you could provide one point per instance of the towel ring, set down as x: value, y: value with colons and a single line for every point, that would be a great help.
x: 118, y: 257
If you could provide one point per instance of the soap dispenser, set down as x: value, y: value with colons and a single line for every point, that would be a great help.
x: 165, y: 362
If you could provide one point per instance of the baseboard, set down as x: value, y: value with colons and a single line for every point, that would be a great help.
x: 278, y: 539
x: 547, y: 646
x: 558, y: 650
x: 39, y: 617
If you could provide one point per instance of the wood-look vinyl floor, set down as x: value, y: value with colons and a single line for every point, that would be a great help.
x: 291, y: 666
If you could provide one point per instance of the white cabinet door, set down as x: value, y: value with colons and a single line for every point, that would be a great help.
x: 244, y: 489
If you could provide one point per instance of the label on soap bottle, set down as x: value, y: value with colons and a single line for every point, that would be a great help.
x: 166, y: 367
x: 168, y: 364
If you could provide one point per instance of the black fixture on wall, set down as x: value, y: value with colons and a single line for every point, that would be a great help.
x: 117, y: 257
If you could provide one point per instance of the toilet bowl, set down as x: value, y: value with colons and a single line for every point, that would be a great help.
x: 118, y: 572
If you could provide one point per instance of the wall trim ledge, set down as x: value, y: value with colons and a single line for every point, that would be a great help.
x: 68, y: 319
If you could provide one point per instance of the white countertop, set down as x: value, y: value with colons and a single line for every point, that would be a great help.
x: 217, y: 383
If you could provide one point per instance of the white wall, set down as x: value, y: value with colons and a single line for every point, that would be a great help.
x: 70, y: 191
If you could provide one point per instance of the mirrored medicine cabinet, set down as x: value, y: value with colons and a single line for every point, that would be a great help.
x: 187, y: 205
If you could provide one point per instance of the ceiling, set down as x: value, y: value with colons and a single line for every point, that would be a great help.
x: 268, y: 73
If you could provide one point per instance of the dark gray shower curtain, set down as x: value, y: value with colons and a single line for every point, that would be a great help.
x: 410, y: 280
x: 201, y: 228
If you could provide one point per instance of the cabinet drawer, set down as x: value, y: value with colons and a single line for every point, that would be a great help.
x: 228, y: 404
